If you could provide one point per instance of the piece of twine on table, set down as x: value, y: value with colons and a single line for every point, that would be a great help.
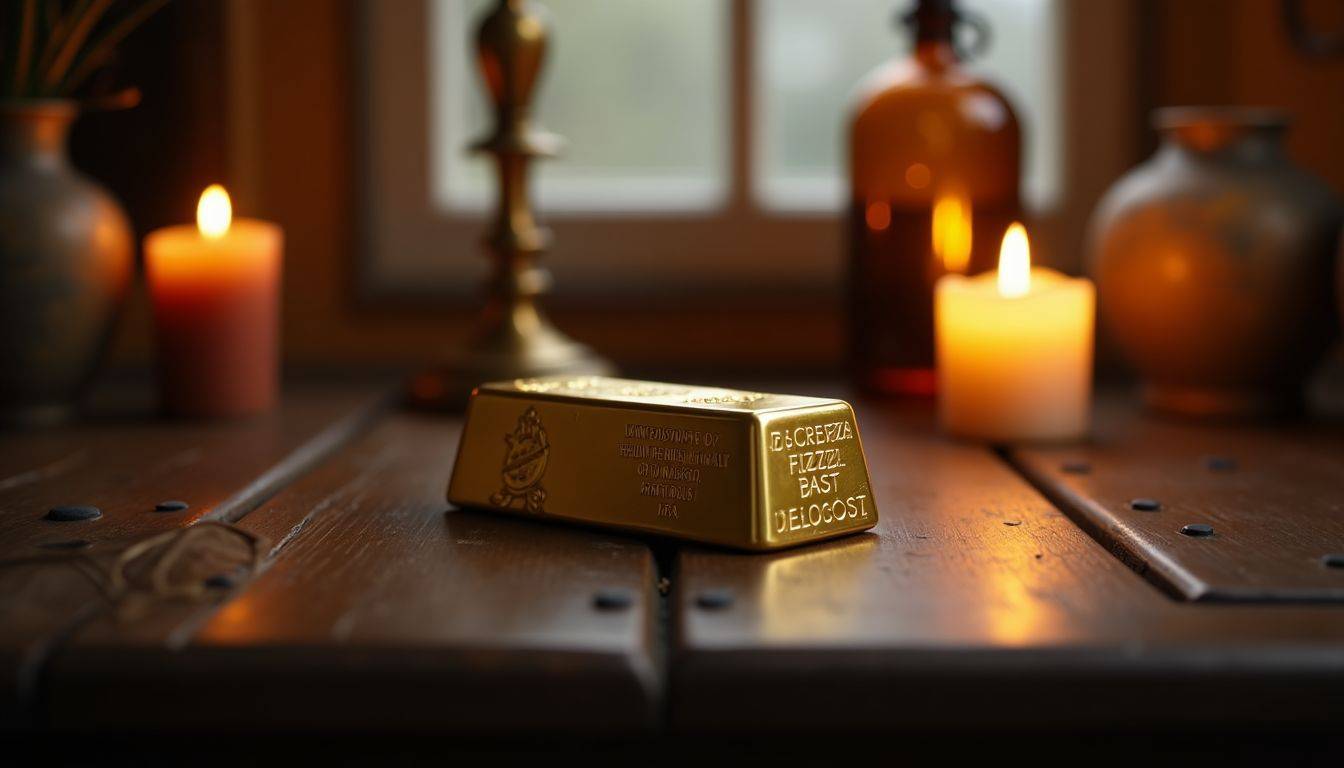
x: 198, y: 563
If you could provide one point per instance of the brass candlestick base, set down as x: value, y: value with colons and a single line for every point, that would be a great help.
x: 514, y: 339
x: 519, y: 344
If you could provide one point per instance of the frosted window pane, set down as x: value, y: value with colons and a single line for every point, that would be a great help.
x: 809, y: 56
x: 638, y: 88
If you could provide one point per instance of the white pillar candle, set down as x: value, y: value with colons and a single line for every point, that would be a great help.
x: 1014, y: 350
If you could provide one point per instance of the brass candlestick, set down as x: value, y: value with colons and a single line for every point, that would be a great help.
x: 514, y: 339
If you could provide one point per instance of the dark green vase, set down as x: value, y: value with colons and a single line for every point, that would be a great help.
x: 66, y: 262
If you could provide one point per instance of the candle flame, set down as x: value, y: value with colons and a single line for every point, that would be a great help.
x: 1015, y: 263
x: 214, y: 212
x: 952, y: 231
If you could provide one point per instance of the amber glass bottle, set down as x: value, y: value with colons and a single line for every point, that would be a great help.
x: 934, y: 173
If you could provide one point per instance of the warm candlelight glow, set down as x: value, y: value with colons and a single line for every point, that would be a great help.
x: 214, y: 212
x: 1014, y: 350
x: 952, y: 232
x: 215, y: 288
x: 1015, y: 263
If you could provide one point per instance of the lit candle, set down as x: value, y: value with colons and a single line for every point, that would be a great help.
x: 1014, y: 350
x: 215, y: 289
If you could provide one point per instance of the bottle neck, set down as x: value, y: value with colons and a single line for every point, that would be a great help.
x: 35, y: 135
x: 931, y: 24
x: 936, y: 54
x: 1245, y: 134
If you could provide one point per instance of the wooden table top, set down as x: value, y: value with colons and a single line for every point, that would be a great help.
x: 1001, y: 588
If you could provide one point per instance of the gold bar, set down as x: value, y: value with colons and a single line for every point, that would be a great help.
x: 740, y: 469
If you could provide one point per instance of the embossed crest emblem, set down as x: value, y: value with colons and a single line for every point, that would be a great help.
x: 524, y: 464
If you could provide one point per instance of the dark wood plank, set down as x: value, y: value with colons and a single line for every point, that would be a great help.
x: 383, y: 610
x: 976, y: 603
x: 125, y: 465
x: 1274, y: 496
x: 125, y: 462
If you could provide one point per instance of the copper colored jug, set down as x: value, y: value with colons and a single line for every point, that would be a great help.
x: 935, y: 166
x: 1214, y: 263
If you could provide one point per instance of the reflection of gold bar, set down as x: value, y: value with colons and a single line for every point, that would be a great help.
x: 741, y: 469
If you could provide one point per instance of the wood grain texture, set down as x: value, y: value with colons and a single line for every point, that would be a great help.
x: 1274, y: 496
x: 125, y: 463
x: 383, y: 610
x: 976, y: 603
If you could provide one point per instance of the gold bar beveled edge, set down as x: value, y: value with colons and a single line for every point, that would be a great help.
x: 765, y: 512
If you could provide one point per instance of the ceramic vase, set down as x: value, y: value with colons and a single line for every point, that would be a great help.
x: 1214, y: 262
x: 66, y: 263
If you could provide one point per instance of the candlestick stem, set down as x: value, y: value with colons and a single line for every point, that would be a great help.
x: 514, y: 338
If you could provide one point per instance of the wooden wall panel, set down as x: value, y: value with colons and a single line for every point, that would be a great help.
x: 1239, y: 52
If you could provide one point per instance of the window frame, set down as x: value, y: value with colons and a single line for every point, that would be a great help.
x: 744, y: 251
